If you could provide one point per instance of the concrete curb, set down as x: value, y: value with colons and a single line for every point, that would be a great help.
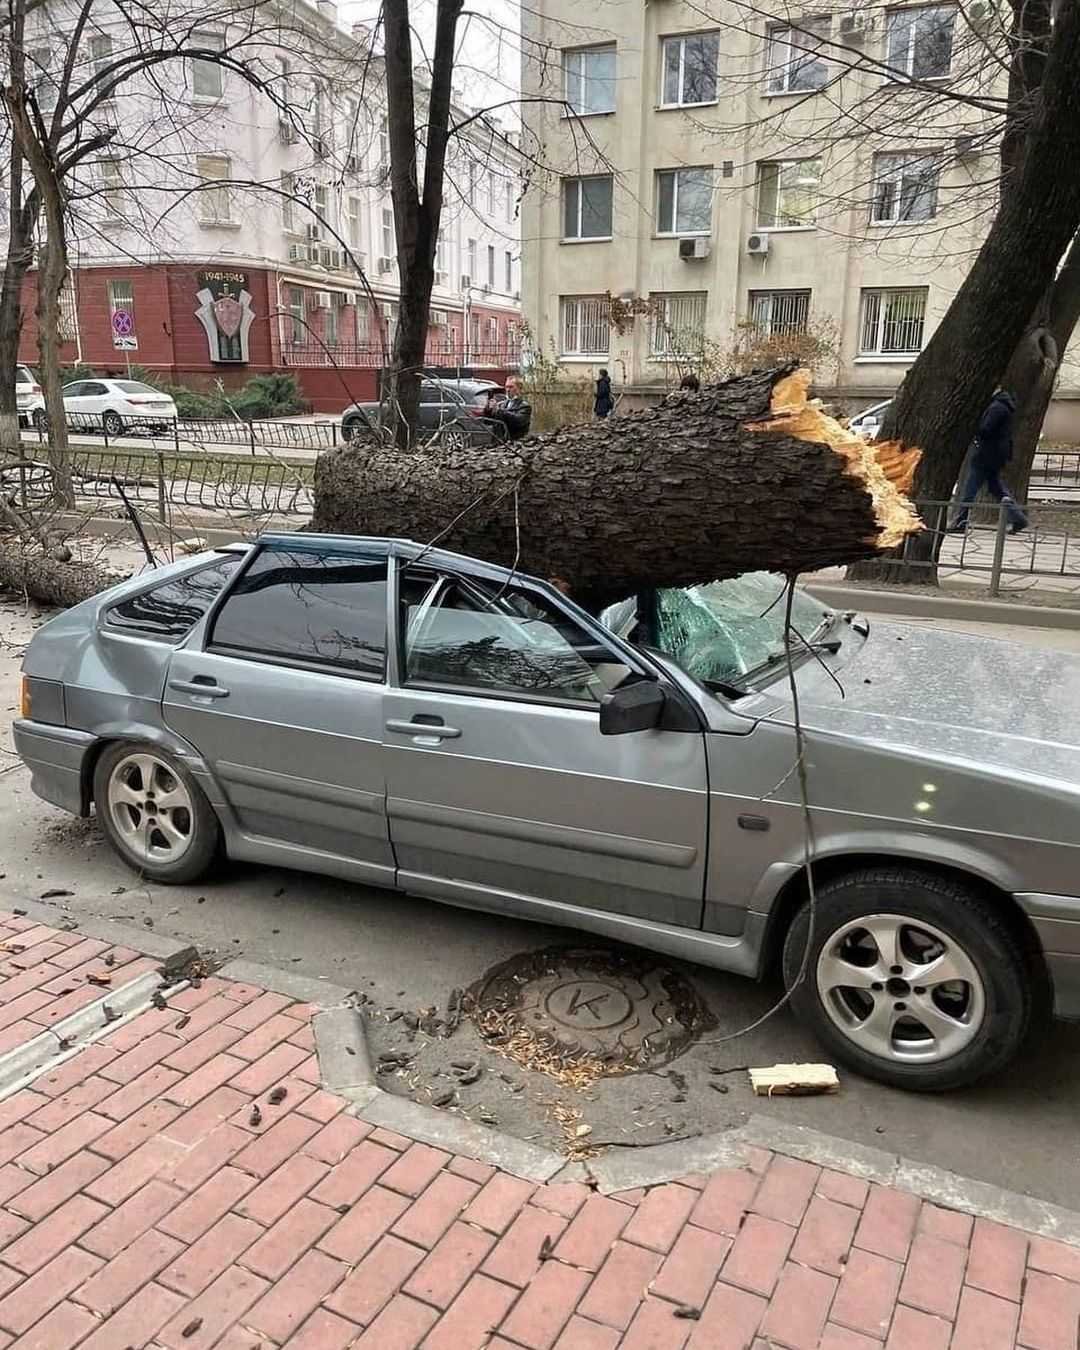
x: 114, y: 931
x: 911, y: 605
x: 303, y: 988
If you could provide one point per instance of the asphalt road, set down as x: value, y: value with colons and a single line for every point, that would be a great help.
x: 408, y: 955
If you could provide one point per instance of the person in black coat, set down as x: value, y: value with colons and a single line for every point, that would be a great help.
x: 604, y: 403
x: 991, y: 451
x: 513, y: 412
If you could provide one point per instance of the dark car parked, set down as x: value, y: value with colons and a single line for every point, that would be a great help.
x: 442, y: 402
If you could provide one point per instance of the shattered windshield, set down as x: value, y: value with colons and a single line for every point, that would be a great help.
x: 720, y: 631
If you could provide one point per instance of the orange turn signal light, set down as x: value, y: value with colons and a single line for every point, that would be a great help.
x: 24, y: 697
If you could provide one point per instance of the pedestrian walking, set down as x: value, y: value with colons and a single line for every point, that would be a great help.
x: 991, y: 451
x: 604, y: 403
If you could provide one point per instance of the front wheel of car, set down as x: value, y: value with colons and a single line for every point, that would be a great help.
x: 155, y: 814
x: 910, y: 978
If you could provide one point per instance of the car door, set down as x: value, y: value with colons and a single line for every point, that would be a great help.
x: 498, y: 779
x: 282, y: 695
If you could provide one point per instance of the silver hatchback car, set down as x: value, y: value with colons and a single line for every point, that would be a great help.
x: 403, y: 716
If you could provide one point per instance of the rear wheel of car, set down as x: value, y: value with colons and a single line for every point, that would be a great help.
x: 113, y: 423
x: 910, y: 978
x: 154, y: 813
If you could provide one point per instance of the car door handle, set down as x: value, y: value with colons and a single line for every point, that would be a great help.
x: 417, y: 727
x: 202, y: 685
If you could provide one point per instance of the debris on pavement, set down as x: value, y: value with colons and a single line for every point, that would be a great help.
x: 794, y: 1080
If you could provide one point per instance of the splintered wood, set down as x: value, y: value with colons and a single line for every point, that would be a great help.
x: 794, y: 1080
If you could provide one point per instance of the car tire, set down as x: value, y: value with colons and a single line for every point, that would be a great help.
x: 113, y: 423
x: 182, y: 841
x: 925, y: 1037
x: 351, y: 429
x: 41, y: 421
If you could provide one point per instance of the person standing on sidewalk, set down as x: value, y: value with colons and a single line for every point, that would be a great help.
x: 992, y: 451
x: 604, y: 404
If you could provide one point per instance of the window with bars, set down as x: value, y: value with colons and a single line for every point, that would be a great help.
x: 587, y: 207
x: 492, y: 334
x: 67, y: 322
x: 294, y: 301
x: 892, y: 322
x: 796, y: 59
x: 788, y: 193
x: 688, y: 69
x: 905, y: 188
x: 589, y: 79
x: 919, y: 41
x: 775, y: 313
x: 585, y: 325
x: 215, y: 197
x: 684, y: 201
x: 206, y: 76
x: 121, y: 296
x: 678, y: 324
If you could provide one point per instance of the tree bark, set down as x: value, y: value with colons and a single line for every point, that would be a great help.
x: 743, y: 476
x: 27, y: 571
x: 51, y: 276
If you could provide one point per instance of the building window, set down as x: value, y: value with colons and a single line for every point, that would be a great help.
x: 206, y: 76
x: 215, y: 197
x: 352, y: 223
x: 285, y: 89
x: 474, y: 177
x: 788, y: 193
x: 101, y: 54
x: 67, y: 321
x: 38, y: 75
x: 905, y: 188
x: 779, y: 313
x: 121, y: 296
x: 589, y: 80
x: 474, y: 333
x: 492, y: 334
x: 678, y: 324
x: 920, y: 41
x: 684, y: 201
x: 388, y: 239
x: 796, y: 60
x: 892, y: 322
x: 321, y: 202
x: 587, y: 207
x: 384, y: 146
x: 508, y: 263
x: 330, y: 320
x: 288, y: 205
x: 294, y: 300
x: 689, y: 69
x: 470, y: 261
x: 585, y: 325
x: 491, y: 196
x: 112, y: 190
x: 491, y: 267
x: 510, y: 200
x: 442, y: 261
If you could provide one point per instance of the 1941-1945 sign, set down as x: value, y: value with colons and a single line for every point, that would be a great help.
x: 225, y: 312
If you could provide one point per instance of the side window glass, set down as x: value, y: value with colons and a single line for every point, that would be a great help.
x: 170, y: 611
x: 74, y: 390
x: 477, y: 635
x: 317, y: 606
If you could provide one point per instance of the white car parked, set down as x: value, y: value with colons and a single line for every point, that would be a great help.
x: 868, y: 422
x: 29, y: 399
x: 117, y: 405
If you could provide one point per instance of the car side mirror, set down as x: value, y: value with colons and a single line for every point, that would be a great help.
x: 635, y: 707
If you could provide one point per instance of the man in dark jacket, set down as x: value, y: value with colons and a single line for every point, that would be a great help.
x: 991, y: 452
x: 514, y: 411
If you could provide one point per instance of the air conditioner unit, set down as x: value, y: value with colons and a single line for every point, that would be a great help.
x: 854, y: 26
x: 466, y: 281
x: 297, y: 252
x: 981, y: 13
x: 437, y: 318
x: 287, y: 133
x: 323, y: 300
x: 758, y: 244
x: 384, y: 264
x: 964, y: 146
x: 694, y: 248
x: 313, y: 231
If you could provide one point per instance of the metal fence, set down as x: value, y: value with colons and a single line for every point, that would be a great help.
x: 266, y: 433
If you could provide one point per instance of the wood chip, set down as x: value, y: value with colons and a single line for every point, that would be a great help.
x: 794, y: 1080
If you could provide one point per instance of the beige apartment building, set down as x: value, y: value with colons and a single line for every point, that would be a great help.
x: 719, y: 164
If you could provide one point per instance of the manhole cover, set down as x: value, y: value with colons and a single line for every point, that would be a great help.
x: 579, y: 1014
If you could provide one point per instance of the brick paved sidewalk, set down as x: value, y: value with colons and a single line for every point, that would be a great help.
x: 145, y: 1203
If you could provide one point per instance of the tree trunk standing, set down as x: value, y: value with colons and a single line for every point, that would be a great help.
x: 52, y: 272
x: 700, y: 487
x: 416, y: 214
x: 940, y: 401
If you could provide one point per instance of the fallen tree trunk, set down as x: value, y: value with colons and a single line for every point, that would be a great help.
x: 744, y: 476
x: 27, y: 570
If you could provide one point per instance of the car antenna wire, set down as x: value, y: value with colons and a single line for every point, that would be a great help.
x: 808, y: 833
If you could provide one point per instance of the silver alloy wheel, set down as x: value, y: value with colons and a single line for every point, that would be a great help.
x: 151, y: 808
x: 900, y: 989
